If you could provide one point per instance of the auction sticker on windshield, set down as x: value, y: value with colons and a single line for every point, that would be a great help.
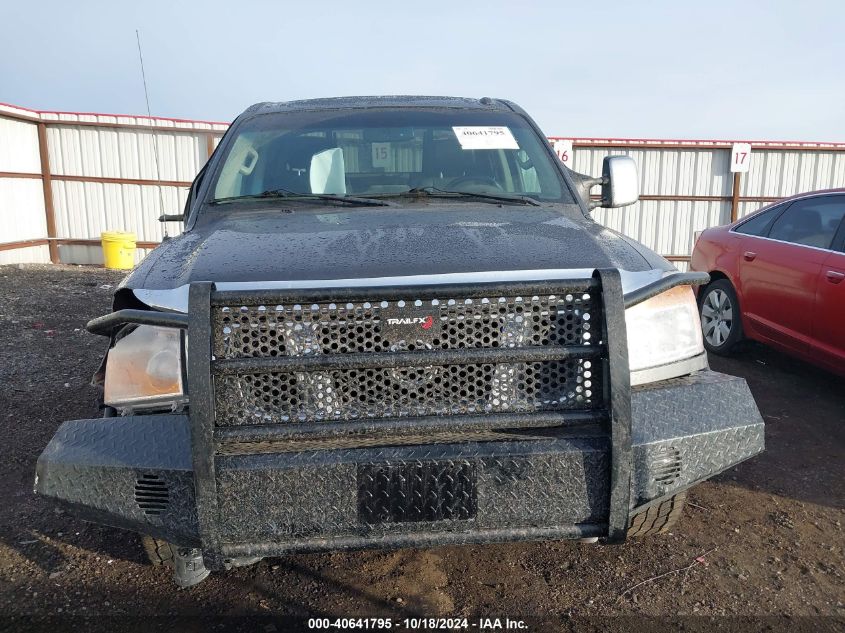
x: 485, y: 137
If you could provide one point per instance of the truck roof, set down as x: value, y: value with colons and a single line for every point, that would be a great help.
x: 392, y: 101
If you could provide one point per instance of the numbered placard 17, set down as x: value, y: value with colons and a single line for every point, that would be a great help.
x: 740, y: 157
x: 563, y: 149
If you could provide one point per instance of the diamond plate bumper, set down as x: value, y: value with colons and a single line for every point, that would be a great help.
x: 552, y: 483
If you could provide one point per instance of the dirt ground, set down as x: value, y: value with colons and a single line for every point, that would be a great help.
x: 770, y: 529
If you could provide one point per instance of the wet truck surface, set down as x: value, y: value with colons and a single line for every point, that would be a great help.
x: 389, y: 322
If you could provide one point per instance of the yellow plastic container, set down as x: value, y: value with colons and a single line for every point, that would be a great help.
x: 118, y: 249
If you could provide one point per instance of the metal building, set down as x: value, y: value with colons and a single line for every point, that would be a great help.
x: 687, y: 185
x: 65, y: 177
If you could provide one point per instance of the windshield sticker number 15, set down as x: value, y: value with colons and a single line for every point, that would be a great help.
x: 381, y: 155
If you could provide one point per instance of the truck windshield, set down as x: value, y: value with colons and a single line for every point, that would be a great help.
x: 388, y: 153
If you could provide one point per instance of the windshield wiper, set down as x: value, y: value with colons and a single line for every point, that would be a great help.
x: 434, y: 192
x: 295, y: 195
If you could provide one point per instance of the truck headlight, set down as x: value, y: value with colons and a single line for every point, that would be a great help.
x: 144, y: 368
x: 664, y: 336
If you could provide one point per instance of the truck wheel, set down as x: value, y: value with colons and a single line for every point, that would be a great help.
x: 658, y: 518
x: 159, y: 552
x: 720, y: 319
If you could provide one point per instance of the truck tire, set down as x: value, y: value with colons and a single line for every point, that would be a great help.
x: 658, y: 518
x: 721, y: 321
x: 159, y: 552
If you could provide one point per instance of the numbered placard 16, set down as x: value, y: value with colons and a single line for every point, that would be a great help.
x: 740, y: 156
x: 563, y: 149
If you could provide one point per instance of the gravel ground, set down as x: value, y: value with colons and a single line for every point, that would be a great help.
x: 771, y: 527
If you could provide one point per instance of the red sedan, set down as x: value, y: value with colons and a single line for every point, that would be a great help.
x: 778, y: 277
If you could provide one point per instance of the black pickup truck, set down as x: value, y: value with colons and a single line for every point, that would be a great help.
x: 389, y: 322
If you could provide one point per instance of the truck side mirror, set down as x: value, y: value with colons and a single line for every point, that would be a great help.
x: 620, y: 182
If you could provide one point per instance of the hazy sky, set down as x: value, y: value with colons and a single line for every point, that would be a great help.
x: 709, y: 69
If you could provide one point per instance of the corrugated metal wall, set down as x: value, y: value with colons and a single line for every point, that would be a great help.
x: 687, y: 186
x: 21, y: 199
x: 667, y: 226
x: 85, y: 209
x: 785, y: 173
x: 103, y: 171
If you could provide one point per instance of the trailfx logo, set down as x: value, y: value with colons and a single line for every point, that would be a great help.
x: 410, y: 323
x: 425, y: 322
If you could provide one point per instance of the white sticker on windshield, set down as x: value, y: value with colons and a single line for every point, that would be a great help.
x: 382, y: 155
x: 485, y: 137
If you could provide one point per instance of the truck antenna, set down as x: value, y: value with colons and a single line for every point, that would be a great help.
x: 155, y: 135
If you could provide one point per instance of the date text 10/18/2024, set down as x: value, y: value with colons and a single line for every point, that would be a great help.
x: 417, y: 624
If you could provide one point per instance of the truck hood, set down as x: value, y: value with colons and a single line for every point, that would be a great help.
x: 311, y: 244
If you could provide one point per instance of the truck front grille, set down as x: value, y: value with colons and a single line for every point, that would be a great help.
x: 406, y: 357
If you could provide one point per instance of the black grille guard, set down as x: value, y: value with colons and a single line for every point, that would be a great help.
x: 208, y: 438
x: 105, y: 325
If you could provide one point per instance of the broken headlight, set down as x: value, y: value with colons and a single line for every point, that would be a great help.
x: 144, y: 369
x: 664, y: 336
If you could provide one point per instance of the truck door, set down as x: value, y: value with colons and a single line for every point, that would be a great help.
x: 829, y: 314
x: 779, y: 272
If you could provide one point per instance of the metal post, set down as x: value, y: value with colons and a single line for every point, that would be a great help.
x: 735, y: 197
x: 47, y: 185
x: 614, y: 333
x: 201, y: 391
